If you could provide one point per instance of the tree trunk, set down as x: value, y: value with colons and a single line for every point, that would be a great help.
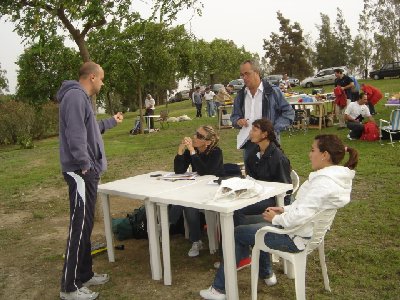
x: 139, y: 90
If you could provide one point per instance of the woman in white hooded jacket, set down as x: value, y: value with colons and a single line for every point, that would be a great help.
x: 328, y: 186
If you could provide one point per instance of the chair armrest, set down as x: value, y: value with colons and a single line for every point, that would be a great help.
x: 383, y: 121
x: 266, y: 229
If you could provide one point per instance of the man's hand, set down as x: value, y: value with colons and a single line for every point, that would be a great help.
x: 242, y: 122
x: 84, y: 172
x: 119, y: 117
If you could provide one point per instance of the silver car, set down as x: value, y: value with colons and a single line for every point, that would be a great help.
x: 323, y: 77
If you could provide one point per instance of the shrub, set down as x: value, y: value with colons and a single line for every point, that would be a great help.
x: 21, y: 123
x: 16, y: 123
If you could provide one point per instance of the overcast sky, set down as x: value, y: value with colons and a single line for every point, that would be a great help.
x: 247, y: 23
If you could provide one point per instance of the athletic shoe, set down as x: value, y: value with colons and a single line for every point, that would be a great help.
x: 195, y: 250
x: 212, y: 294
x: 97, y: 279
x: 349, y: 137
x: 80, y: 294
x: 243, y: 263
x: 270, y: 281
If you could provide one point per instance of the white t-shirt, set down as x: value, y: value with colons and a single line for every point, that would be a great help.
x: 149, y: 103
x: 354, y: 110
x: 209, y: 96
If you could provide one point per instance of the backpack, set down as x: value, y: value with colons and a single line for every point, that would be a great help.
x: 138, y: 222
x: 133, y: 226
x: 136, y: 127
x: 371, y: 132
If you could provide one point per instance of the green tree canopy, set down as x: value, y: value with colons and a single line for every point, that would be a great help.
x: 287, y: 51
x: 42, y: 68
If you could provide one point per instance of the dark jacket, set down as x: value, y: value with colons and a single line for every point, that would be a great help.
x: 272, y: 166
x: 81, y: 144
x: 274, y: 107
x: 202, y: 163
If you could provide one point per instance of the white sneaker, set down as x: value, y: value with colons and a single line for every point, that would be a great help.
x: 80, y: 294
x: 97, y: 279
x: 270, y: 281
x: 212, y: 294
x: 349, y: 137
x: 195, y: 250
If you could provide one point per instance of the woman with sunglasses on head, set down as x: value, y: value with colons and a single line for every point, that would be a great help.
x: 205, y: 157
x: 328, y: 187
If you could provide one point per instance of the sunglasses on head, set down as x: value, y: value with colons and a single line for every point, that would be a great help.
x: 200, y: 136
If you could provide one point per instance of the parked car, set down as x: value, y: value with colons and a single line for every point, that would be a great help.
x: 274, y: 79
x: 294, y: 81
x: 323, y: 77
x: 238, y: 84
x: 185, y: 94
x: 388, y: 70
x: 216, y: 87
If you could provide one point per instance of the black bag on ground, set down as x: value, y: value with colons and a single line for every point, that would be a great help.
x: 138, y: 222
x: 133, y: 226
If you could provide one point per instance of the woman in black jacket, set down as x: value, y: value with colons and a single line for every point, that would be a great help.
x: 266, y: 162
x: 205, y: 158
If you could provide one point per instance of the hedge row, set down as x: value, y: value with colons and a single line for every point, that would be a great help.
x: 21, y: 123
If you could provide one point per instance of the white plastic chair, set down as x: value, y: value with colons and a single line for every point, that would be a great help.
x: 321, y: 224
x: 295, y: 181
x: 392, y: 126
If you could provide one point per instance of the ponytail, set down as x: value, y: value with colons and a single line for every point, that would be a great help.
x: 353, y: 158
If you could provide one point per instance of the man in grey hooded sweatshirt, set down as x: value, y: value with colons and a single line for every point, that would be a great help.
x: 82, y: 159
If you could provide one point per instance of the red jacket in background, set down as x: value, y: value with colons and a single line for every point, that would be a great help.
x: 341, y: 98
x: 373, y: 94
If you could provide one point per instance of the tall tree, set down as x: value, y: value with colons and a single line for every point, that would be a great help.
x: 364, y: 40
x: 42, y: 68
x: 326, y: 42
x: 343, y: 40
x: 287, y: 50
x: 3, y: 81
x: 386, y: 14
x: 41, y: 18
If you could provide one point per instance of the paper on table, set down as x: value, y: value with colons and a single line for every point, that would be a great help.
x: 242, y: 136
x: 173, y: 176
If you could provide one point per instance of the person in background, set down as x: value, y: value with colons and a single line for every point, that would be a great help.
x: 205, y: 158
x: 196, y: 98
x: 82, y: 159
x: 355, y: 90
x: 328, y: 187
x: 345, y: 83
x: 355, y: 113
x: 230, y: 89
x: 222, y: 98
x: 256, y: 100
x: 209, y: 98
x: 286, y: 83
x: 373, y: 96
x: 149, y: 105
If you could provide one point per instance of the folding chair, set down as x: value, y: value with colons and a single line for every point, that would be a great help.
x: 321, y: 222
x: 392, y: 126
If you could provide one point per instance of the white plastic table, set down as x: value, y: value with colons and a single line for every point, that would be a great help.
x: 200, y: 195
x: 196, y: 193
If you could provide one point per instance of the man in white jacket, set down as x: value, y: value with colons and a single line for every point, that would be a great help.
x: 329, y: 186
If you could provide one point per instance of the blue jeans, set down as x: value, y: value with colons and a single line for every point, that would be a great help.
x: 210, y: 108
x: 192, y: 216
x: 244, y: 238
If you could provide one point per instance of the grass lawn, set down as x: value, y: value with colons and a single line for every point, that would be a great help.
x: 362, y: 249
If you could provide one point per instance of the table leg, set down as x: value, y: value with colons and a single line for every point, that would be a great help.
x: 105, y: 200
x: 154, y: 244
x: 211, y: 221
x: 165, y: 244
x: 228, y: 246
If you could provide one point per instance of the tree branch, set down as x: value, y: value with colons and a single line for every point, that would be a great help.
x: 91, y: 25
